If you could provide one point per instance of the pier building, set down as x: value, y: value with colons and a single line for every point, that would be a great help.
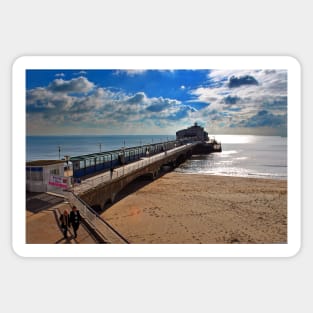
x: 197, y: 132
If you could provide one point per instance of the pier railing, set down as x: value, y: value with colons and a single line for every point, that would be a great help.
x: 126, y: 169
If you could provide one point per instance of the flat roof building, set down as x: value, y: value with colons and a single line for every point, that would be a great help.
x: 194, y: 131
x: 45, y: 175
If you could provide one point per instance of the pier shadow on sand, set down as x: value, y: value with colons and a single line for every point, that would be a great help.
x: 131, y: 188
x: 38, y: 201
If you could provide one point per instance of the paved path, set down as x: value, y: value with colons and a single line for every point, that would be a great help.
x: 42, y: 221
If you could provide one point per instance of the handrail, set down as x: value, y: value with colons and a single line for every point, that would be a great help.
x: 107, y: 233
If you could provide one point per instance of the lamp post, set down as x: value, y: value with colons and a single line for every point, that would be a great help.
x: 67, y: 158
x: 59, y: 152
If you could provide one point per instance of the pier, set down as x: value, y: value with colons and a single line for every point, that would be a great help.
x: 101, y: 189
x: 95, y: 192
x: 98, y: 179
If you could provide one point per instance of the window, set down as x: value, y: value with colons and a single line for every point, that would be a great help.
x: 34, y: 173
x: 55, y: 171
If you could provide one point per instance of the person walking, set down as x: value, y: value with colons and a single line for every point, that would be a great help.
x: 75, y: 219
x: 65, y: 222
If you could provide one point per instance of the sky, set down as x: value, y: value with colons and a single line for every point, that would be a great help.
x: 104, y: 102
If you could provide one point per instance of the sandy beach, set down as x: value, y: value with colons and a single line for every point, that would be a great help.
x: 207, y: 209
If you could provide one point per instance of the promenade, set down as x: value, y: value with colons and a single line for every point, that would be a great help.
x: 42, y: 221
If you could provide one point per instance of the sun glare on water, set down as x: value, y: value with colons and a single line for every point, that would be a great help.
x: 235, y: 138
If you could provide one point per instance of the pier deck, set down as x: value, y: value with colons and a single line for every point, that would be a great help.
x: 122, y: 171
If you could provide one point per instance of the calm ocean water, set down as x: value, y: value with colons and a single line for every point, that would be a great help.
x: 244, y: 156
x: 47, y: 147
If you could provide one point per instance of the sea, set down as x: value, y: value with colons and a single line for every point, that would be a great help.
x: 241, y: 156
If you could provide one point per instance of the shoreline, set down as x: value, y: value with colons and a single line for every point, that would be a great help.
x: 278, y: 178
x: 203, y: 208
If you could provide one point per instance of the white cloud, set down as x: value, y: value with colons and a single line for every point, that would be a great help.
x: 130, y: 72
x: 78, y: 102
x: 80, y: 84
x: 80, y: 73
x: 244, y: 102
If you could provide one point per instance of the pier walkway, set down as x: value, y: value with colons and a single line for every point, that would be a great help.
x: 105, y: 177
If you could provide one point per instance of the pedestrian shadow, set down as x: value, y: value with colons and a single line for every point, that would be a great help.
x: 62, y: 239
x: 65, y: 240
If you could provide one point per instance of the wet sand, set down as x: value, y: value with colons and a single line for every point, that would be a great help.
x: 207, y: 209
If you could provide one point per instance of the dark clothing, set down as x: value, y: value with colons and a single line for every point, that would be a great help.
x: 65, y: 224
x: 75, y: 219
